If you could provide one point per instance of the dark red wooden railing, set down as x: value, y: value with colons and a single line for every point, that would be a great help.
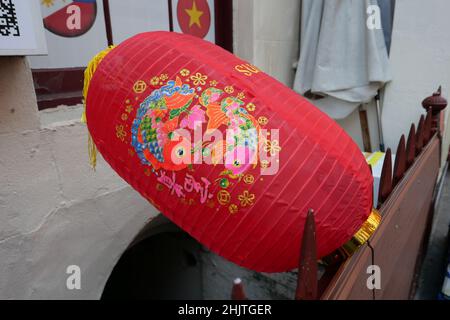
x: 308, y: 285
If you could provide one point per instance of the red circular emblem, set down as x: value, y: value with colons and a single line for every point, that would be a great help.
x: 194, y: 17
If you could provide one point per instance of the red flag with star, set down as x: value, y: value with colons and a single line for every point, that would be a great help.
x: 194, y: 17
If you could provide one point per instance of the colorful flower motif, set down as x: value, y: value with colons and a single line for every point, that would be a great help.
x: 120, y: 132
x: 251, y: 106
x: 246, y: 198
x: 185, y: 72
x: 194, y: 118
x: 229, y: 89
x: 272, y: 147
x: 199, y: 79
x: 154, y: 81
x: 213, y: 83
x: 239, y: 159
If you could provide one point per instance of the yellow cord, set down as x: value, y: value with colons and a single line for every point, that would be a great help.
x: 88, y: 74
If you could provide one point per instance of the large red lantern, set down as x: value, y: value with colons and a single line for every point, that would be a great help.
x: 245, y: 194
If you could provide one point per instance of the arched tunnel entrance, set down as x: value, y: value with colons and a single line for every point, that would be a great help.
x: 162, y: 263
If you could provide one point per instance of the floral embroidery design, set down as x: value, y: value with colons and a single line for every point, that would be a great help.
x: 198, y: 79
x: 184, y: 103
x: 272, y: 147
x: 120, y: 132
x: 246, y: 198
x: 185, y: 72
x: 229, y: 89
x: 154, y: 81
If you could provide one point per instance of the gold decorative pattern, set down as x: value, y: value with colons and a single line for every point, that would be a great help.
x: 154, y: 81
x: 251, y: 107
x: 185, y: 72
x: 249, y: 179
x: 129, y: 108
x: 272, y: 147
x: 264, y: 164
x: 263, y: 120
x: 120, y: 132
x: 246, y: 198
x: 233, y: 208
x: 139, y: 86
x: 199, y: 79
x: 223, y: 197
x: 229, y: 89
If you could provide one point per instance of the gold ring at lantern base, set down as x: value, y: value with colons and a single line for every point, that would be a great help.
x: 363, y: 234
x: 360, y: 237
x: 223, y: 197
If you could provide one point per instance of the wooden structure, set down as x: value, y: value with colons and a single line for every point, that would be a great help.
x: 406, y: 198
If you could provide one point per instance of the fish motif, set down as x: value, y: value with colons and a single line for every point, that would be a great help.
x: 155, y: 123
x: 241, y: 146
x: 154, y: 130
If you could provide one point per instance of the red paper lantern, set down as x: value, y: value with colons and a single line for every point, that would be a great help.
x: 250, y: 210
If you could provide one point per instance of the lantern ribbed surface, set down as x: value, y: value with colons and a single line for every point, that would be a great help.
x: 156, y: 83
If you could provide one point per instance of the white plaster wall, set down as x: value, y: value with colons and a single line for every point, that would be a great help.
x: 54, y: 210
x: 266, y: 33
x: 420, y: 60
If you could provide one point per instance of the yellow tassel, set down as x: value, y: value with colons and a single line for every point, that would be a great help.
x: 88, y: 74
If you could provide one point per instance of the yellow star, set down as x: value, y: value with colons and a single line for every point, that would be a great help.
x: 194, y: 15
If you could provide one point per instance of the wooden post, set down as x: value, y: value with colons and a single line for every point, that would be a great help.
x: 435, y: 103
x: 307, y: 281
x: 411, y: 146
x: 400, y: 161
x: 386, y: 178
x: 108, y: 26
x: 427, y: 128
x: 419, y: 135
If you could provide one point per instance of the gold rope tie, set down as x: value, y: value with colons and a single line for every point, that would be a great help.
x: 88, y: 74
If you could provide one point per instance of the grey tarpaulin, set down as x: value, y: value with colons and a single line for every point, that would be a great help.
x: 341, y: 59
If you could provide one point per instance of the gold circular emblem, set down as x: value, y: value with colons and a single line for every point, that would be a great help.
x: 139, y: 86
x: 223, y: 196
x: 249, y: 179
x: 263, y: 120
x: 251, y: 106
